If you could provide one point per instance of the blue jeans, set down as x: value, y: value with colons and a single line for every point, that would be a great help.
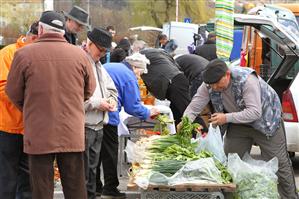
x: 14, y: 173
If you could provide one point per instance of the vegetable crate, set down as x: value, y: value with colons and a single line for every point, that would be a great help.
x: 187, y: 191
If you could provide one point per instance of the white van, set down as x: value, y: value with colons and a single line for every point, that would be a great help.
x: 182, y: 33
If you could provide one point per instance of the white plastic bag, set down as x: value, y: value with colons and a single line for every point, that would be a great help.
x: 213, y: 143
x: 135, y: 153
x: 254, y: 178
x: 203, y: 170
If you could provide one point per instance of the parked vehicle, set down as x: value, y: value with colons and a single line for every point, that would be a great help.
x: 284, y: 78
x: 259, y: 53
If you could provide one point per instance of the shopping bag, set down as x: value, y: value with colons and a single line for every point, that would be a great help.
x: 254, y: 178
x: 213, y: 143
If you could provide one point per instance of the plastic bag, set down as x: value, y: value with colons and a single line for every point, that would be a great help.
x: 212, y: 143
x: 254, y: 178
x: 134, y: 152
x: 197, y: 171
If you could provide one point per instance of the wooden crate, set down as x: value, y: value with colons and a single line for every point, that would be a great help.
x: 191, y: 187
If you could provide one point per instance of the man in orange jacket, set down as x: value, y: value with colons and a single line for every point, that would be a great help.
x: 14, y: 174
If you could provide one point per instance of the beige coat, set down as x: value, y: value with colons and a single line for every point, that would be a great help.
x: 49, y: 81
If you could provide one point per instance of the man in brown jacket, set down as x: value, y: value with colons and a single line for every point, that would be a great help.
x: 49, y: 81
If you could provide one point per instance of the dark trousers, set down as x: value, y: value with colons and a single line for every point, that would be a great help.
x: 14, y: 173
x: 93, y: 142
x: 108, y: 158
x: 178, y: 95
x: 240, y: 138
x: 71, y: 168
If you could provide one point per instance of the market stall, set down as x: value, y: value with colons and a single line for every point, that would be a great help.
x: 176, y: 166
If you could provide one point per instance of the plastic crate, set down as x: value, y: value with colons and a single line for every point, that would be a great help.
x: 181, y: 195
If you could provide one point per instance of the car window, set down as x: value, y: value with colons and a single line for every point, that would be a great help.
x: 291, y: 74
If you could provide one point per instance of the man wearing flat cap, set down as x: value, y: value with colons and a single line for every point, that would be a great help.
x: 49, y: 81
x: 251, y: 111
x: 103, y: 100
x: 76, y: 20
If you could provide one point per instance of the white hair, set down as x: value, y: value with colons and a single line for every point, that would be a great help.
x: 138, y: 45
x: 48, y: 28
x: 88, y: 42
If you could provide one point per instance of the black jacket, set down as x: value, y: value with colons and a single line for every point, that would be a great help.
x: 191, y: 65
x: 207, y: 50
x: 161, y: 70
x: 70, y: 37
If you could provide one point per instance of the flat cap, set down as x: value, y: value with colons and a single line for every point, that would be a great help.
x: 214, y: 71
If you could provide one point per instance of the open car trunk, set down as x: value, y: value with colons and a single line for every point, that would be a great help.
x: 285, y: 36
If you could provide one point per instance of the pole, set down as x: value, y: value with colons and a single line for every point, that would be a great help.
x: 88, y: 8
x: 177, y: 11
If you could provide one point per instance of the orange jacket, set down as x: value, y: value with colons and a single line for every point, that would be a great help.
x: 11, y: 119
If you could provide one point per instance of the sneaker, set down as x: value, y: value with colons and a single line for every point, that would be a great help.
x: 113, y: 194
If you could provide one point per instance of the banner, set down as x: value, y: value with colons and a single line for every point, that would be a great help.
x: 224, y: 24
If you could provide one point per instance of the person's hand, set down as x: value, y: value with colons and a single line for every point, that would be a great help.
x: 154, y: 112
x: 106, y: 106
x: 113, y: 103
x: 179, y: 126
x: 217, y: 119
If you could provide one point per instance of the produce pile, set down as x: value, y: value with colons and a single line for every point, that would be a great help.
x: 169, y: 153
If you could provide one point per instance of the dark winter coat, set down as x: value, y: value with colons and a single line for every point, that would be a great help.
x: 161, y: 70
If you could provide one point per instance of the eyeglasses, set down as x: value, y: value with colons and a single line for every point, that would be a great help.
x: 102, y: 50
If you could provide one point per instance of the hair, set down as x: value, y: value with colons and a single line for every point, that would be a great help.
x: 88, y: 41
x: 139, y: 45
x: 33, y: 29
x: 110, y: 28
x: 48, y: 28
x: 118, y: 55
x: 162, y: 36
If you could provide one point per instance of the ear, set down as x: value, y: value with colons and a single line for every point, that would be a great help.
x: 228, y: 73
x: 40, y: 30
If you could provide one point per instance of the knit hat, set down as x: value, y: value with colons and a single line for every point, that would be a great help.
x: 138, y: 60
x: 214, y: 71
x: 54, y: 19
x: 100, y: 37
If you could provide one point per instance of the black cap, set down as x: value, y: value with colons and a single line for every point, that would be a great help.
x: 214, y: 71
x: 124, y: 44
x: 100, y: 37
x: 54, y: 19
